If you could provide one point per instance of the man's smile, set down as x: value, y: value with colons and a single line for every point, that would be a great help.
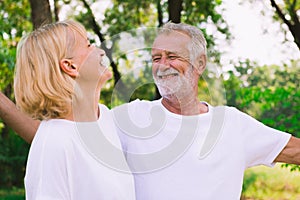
x: 166, y: 76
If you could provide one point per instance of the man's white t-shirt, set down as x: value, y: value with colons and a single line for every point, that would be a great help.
x: 193, y: 157
x: 64, y: 163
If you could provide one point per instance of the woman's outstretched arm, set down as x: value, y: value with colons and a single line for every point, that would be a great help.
x: 22, y: 124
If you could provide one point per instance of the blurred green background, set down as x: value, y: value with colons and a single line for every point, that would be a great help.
x: 268, y: 92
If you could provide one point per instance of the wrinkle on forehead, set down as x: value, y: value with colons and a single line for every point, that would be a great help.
x: 169, y: 41
x: 172, y: 43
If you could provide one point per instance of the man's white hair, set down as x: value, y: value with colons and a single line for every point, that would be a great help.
x: 197, y: 47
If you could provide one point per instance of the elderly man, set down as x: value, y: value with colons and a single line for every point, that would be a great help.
x: 179, y: 147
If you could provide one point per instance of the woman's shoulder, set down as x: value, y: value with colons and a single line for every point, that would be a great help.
x: 55, y: 134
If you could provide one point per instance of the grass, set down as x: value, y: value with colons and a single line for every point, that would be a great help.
x: 12, y: 194
x: 264, y: 183
x: 260, y: 183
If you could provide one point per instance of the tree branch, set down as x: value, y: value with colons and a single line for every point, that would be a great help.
x: 108, y: 51
x: 280, y: 13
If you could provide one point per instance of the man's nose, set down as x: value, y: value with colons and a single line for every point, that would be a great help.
x: 164, y: 63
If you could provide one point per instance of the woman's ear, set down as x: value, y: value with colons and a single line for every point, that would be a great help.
x: 68, y: 67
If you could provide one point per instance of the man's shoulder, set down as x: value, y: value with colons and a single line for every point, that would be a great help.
x: 137, y: 112
x: 226, y: 108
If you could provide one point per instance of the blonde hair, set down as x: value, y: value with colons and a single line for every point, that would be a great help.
x: 42, y: 89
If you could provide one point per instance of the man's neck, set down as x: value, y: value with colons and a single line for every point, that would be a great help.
x: 186, y: 106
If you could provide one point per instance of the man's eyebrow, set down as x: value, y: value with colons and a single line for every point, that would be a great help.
x: 156, y: 54
x: 167, y: 52
x: 172, y: 52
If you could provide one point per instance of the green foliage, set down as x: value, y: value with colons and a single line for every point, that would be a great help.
x: 14, y: 18
x: 7, y: 58
x: 12, y: 194
x: 14, y: 22
x: 269, y: 93
x: 13, y: 156
x: 129, y: 14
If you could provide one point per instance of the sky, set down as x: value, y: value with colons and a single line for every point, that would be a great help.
x: 257, y: 37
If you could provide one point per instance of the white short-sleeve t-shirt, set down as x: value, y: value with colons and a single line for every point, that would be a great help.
x: 193, y: 157
x: 62, y: 166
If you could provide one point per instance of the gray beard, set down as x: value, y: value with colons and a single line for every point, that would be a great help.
x: 178, y: 86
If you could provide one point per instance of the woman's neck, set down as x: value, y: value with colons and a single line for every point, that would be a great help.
x: 85, y: 108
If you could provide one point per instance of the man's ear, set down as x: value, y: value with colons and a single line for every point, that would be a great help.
x: 68, y: 67
x: 201, y: 64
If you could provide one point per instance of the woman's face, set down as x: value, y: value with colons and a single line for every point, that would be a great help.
x: 88, y: 59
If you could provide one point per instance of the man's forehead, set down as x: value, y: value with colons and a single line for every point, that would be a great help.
x: 170, y: 42
x: 168, y: 48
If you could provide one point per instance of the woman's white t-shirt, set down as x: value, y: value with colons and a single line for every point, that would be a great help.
x: 67, y: 161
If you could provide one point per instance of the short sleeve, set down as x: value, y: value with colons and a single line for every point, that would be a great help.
x: 262, y: 144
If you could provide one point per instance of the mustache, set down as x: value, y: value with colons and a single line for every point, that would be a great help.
x: 170, y: 71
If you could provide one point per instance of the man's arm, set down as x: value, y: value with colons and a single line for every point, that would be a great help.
x: 24, y: 126
x: 291, y: 152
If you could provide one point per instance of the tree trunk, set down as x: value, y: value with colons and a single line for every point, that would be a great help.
x: 174, y: 9
x: 40, y: 12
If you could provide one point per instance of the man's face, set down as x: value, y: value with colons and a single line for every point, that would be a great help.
x: 172, y: 71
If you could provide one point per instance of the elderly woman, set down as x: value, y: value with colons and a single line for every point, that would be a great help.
x: 58, y: 80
